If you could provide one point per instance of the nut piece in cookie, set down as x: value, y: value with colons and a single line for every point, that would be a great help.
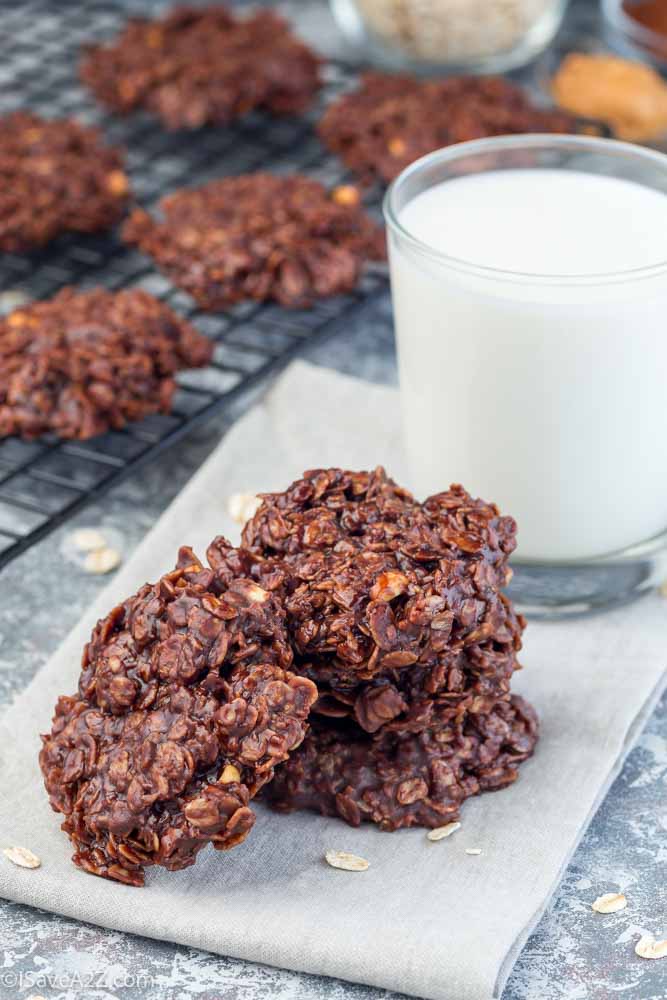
x: 83, y: 363
x: 395, y: 607
x: 392, y: 120
x: 258, y: 236
x: 401, y: 780
x: 186, y: 704
x: 205, y: 66
x: 57, y: 176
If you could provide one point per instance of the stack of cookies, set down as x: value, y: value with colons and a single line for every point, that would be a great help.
x: 395, y: 610
x: 354, y: 656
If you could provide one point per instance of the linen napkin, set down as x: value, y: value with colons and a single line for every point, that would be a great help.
x: 426, y: 918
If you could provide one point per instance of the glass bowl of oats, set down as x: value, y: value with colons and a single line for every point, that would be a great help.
x: 474, y: 36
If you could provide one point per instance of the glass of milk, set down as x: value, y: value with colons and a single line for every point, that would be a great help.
x: 529, y: 282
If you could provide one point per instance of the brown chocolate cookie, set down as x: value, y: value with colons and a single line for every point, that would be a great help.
x: 392, y: 120
x: 259, y: 236
x: 419, y: 779
x: 84, y: 362
x: 185, y: 705
x: 195, y: 67
x: 394, y: 606
x: 57, y: 176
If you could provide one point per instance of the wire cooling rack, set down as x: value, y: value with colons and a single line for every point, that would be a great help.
x: 42, y: 483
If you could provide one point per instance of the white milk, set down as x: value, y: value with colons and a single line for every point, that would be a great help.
x: 547, y: 396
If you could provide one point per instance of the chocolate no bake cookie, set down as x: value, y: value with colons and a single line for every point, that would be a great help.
x: 186, y: 704
x: 195, y: 67
x: 259, y: 236
x: 394, y: 607
x: 419, y: 779
x: 392, y: 120
x: 56, y: 176
x: 83, y: 363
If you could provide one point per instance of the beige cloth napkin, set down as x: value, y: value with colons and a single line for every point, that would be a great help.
x: 426, y: 919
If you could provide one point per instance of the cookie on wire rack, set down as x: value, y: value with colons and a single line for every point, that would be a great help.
x: 203, y: 66
x: 83, y: 363
x: 259, y: 236
x: 57, y: 176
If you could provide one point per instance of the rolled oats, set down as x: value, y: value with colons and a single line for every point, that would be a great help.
x: 346, y: 861
x: 22, y: 857
x: 102, y: 560
x: 87, y: 539
x: 648, y: 947
x: 242, y: 506
x: 609, y: 902
x: 441, y: 832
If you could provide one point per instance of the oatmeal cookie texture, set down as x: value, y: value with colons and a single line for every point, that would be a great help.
x: 195, y: 67
x: 408, y: 779
x: 185, y: 705
x: 392, y: 120
x: 259, y: 236
x: 83, y: 363
x: 395, y: 611
x: 394, y: 607
x: 57, y: 176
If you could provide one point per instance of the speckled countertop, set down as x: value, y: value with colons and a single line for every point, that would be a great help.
x: 625, y: 848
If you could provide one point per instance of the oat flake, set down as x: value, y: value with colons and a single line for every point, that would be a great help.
x: 648, y: 947
x: 441, y: 832
x: 101, y: 561
x: 346, y: 862
x: 22, y: 857
x: 87, y: 539
x: 242, y: 506
x: 610, y: 902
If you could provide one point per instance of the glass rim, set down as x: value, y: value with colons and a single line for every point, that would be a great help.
x: 529, y: 141
x: 634, y: 30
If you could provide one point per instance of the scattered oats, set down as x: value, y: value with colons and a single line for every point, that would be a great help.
x: 441, y: 832
x: 474, y: 850
x: 610, y: 902
x: 35, y: 996
x: 648, y: 947
x: 242, y: 506
x: 12, y: 299
x: 229, y: 774
x: 87, y: 539
x: 663, y: 589
x: 101, y: 560
x: 347, y: 862
x: 22, y: 857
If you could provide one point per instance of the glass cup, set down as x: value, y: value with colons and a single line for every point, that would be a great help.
x: 429, y: 36
x: 544, y: 393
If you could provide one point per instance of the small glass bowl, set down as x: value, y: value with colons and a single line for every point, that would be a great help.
x: 630, y: 37
x: 429, y: 36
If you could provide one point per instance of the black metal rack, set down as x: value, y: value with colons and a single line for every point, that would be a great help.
x: 42, y: 483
